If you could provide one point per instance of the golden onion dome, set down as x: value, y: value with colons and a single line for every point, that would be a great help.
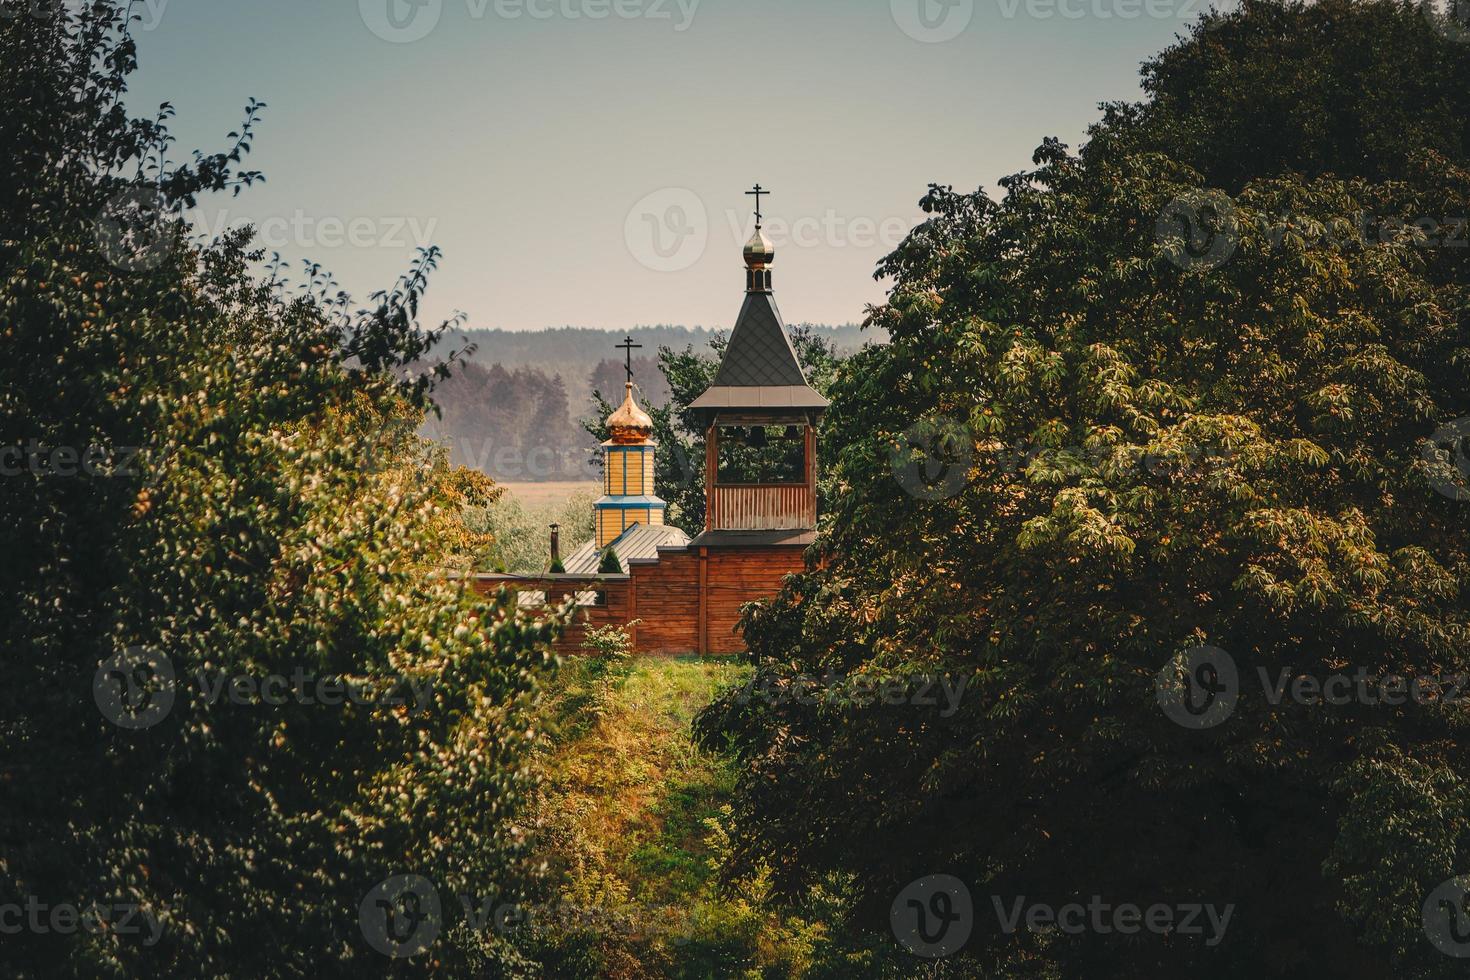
x: 630, y: 424
x: 759, y: 250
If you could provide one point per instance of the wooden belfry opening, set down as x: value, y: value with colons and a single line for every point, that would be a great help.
x: 734, y: 502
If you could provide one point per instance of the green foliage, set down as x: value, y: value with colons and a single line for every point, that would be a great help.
x: 1159, y: 456
x: 635, y: 828
x: 611, y: 643
x: 557, y: 568
x: 1268, y: 94
x: 259, y: 507
x: 610, y: 565
x: 518, y: 536
x: 611, y: 650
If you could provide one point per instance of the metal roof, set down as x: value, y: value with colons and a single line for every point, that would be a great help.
x: 638, y: 543
x: 760, y: 352
x: 747, y: 539
x: 631, y: 501
x: 765, y: 396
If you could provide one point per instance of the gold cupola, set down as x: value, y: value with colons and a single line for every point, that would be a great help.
x: 629, y: 425
x: 759, y: 254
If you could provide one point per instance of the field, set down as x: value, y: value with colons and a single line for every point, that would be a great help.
x: 553, y: 493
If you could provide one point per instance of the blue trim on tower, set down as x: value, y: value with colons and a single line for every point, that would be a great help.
x: 629, y: 503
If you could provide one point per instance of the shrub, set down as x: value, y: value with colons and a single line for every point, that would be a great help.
x: 610, y: 564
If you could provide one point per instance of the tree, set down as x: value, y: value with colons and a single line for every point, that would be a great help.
x: 1162, y: 449
x: 609, y: 375
x: 212, y: 485
x: 518, y: 536
x: 512, y: 424
x: 1266, y: 95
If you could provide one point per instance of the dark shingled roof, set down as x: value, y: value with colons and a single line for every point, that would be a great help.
x: 759, y: 357
x: 759, y: 353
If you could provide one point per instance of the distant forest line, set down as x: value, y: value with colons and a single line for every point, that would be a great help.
x: 511, y: 411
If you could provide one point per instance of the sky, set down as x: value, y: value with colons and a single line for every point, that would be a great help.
x: 584, y: 162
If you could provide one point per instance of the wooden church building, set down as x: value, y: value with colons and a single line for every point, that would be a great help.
x: 760, y: 477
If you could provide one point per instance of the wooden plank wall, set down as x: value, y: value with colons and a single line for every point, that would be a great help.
x: 668, y: 602
x: 665, y: 595
x: 736, y: 576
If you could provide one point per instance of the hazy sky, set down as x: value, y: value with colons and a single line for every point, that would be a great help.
x: 584, y: 161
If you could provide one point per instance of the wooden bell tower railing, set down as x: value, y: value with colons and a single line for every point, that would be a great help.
x: 762, y: 507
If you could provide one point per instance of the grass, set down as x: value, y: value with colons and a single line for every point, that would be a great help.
x: 625, y: 779
x: 633, y: 819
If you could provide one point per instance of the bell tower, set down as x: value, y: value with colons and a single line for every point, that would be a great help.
x: 760, y: 419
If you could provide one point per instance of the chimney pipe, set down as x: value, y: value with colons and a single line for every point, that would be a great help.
x: 556, y: 542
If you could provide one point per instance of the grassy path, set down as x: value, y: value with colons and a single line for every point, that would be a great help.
x: 631, y: 826
x: 627, y: 780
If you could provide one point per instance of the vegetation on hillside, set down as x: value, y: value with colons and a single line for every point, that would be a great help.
x: 513, y: 425
x: 635, y: 825
x: 512, y: 410
x: 241, y: 688
x: 1192, y: 392
x: 576, y: 352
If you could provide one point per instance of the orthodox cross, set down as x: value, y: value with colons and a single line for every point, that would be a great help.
x: 628, y: 347
x: 757, y: 193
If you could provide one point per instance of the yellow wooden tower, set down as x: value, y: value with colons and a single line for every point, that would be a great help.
x: 627, y: 473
